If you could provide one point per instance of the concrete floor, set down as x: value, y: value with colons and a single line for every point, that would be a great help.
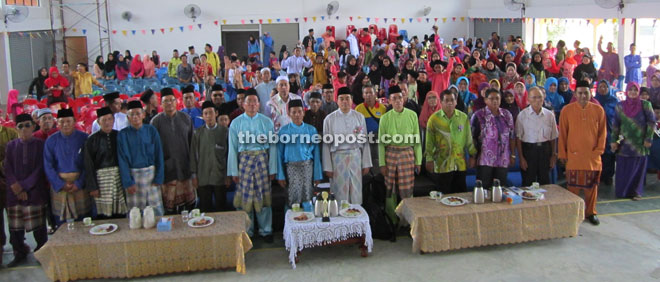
x: 625, y: 247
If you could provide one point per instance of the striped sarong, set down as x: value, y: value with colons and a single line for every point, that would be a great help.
x: 254, y: 183
x: 147, y: 193
x: 400, y: 162
x: 178, y: 193
x: 346, y: 182
x: 111, y: 200
x: 26, y: 218
x: 73, y: 205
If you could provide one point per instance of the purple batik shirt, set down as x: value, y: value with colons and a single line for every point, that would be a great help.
x: 492, y: 134
x: 24, y: 163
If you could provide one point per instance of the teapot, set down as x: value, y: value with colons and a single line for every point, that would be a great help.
x: 135, y: 218
x: 149, y: 220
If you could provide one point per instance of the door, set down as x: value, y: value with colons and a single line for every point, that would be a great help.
x: 76, y: 50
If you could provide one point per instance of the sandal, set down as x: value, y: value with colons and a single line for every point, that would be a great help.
x: 636, y: 198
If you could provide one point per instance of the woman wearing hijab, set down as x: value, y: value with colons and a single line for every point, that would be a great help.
x: 561, y: 51
x: 137, y: 67
x: 567, y: 67
x: 253, y: 47
x: 388, y: 73
x: 99, y: 66
x: 607, y: 99
x: 156, y: 58
x: 127, y: 56
x: 654, y: 89
x: 431, y: 105
x: 352, y: 69
x: 586, y: 70
x: 282, y: 51
x: 480, y: 102
x: 530, y: 81
x: 520, y: 94
x: 511, y: 77
x: 552, y: 97
x: 38, y: 84
x: 635, y: 122
x: 491, y: 71
x: 374, y: 73
x: 537, y: 68
x: 550, y: 65
x: 122, y: 68
x: 149, y: 67
x: 509, y: 103
x: 356, y: 88
x: 565, y: 89
x: 464, y: 97
x: 109, y: 68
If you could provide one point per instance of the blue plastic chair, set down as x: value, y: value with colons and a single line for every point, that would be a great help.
x: 404, y: 33
x: 319, y: 42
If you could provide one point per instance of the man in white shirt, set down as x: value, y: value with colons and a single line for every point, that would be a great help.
x: 264, y: 89
x: 296, y: 63
x: 353, y: 43
x: 536, y: 129
x: 277, y: 107
x: 113, y: 102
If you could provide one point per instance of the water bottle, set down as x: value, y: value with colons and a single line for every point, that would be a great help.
x: 478, y: 193
x: 496, y: 191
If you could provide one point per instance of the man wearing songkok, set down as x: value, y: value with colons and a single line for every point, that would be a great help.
x: 582, y: 137
x: 208, y: 161
x: 140, y: 157
x: 343, y: 161
x: 64, y: 167
x: 299, y: 161
x: 315, y: 115
x: 253, y: 164
x: 190, y: 106
x: 175, y: 130
x: 150, y: 101
x: 536, y: 129
x: 102, y: 170
x: 113, y: 102
x: 277, y: 106
x: 448, y: 137
x: 28, y: 189
x: 400, y: 148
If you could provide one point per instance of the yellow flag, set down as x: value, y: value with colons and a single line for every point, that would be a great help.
x: 614, y: 20
x: 75, y: 30
x: 224, y: 21
x: 462, y: 19
x: 123, y: 32
x: 314, y: 19
x: 403, y: 20
x: 171, y: 29
x: 444, y: 20
x: 270, y: 20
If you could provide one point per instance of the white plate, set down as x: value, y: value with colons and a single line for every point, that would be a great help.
x: 344, y: 213
x: 536, y: 195
x: 445, y: 201
x: 191, y: 222
x: 310, y: 216
x: 102, y: 229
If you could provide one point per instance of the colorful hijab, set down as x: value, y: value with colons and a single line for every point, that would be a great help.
x: 427, y: 110
x: 480, y: 102
x: 521, y: 98
x: 136, y: 65
x: 553, y: 98
x: 631, y: 107
x: 528, y: 86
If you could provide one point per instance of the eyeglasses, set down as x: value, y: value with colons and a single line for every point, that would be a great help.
x: 169, y: 101
x: 217, y: 95
x: 24, y: 125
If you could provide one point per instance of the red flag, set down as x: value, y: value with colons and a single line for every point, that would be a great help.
x: 305, y: 18
x: 435, y: 19
x: 114, y: 32
x: 348, y: 17
x: 261, y: 21
x: 215, y: 22
x: 453, y: 19
x: 161, y: 30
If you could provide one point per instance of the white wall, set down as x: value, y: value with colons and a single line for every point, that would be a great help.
x: 563, y: 9
x: 153, y: 14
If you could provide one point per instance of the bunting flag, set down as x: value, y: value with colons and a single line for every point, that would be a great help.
x: 444, y: 20
x: 261, y: 21
x: 84, y: 31
x: 351, y: 18
x: 394, y: 19
x: 296, y: 19
x: 368, y: 19
x: 633, y: 21
x: 314, y: 19
x: 278, y: 20
x: 162, y: 30
x: 453, y: 19
x: 181, y: 28
x: 435, y: 19
x: 462, y: 19
x: 153, y: 31
x: 224, y: 21
x: 410, y: 20
x: 614, y: 20
x: 242, y: 21
x: 419, y: 20
x: 133, y: 31
x: 427, y: 20
x: 287, y: 20
x: 75, y: 30
x: 323, y: 18
x: 270, y: 21
x: 199, y: 26
x: 337, y: 18
x: 21, y: 34
x: 403, y: 20
x: 305, y: 18
x: 623, y: 20
x: 171, y: 29
x: 143, y: 32
x: 654, y: 20
x: 190, y: 27
x: 251, y: 21
x: 359, y: 17
x: 123, y: 32
x: 522, y: 20
x: 215, y: 22
x: 114, y: 32
x: 385, y: 19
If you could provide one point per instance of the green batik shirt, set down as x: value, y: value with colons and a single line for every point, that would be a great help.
x: 447, y: 140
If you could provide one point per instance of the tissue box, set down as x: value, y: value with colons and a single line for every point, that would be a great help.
x: 512, y: 198
x: 165, y: 224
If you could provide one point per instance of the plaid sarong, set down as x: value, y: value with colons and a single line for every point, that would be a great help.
x: 400, y: 162
x: 254, y: 185
x: 178, y: 193
x: 26, y: 218
x: 73, y: 205
x: 147, y: 193
x: 111, y: 198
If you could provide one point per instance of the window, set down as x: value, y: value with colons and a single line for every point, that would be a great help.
x: 647, y: 40
x: 33, y: 3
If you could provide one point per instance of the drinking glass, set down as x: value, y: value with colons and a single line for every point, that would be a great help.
x: 70, y: 224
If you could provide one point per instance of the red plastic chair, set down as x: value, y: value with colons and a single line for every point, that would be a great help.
x: 58, y: 106
x: 331, y: 28
x: 349, y: 28
x: 393, y: 29
x: 42, y: 106
x: 44, y: 100
x: 373, y: 27
x: 97, y: 99
x: 30, y: 101
x: 382, y: 34
x: 136, y: 96
x: 123, y: 97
